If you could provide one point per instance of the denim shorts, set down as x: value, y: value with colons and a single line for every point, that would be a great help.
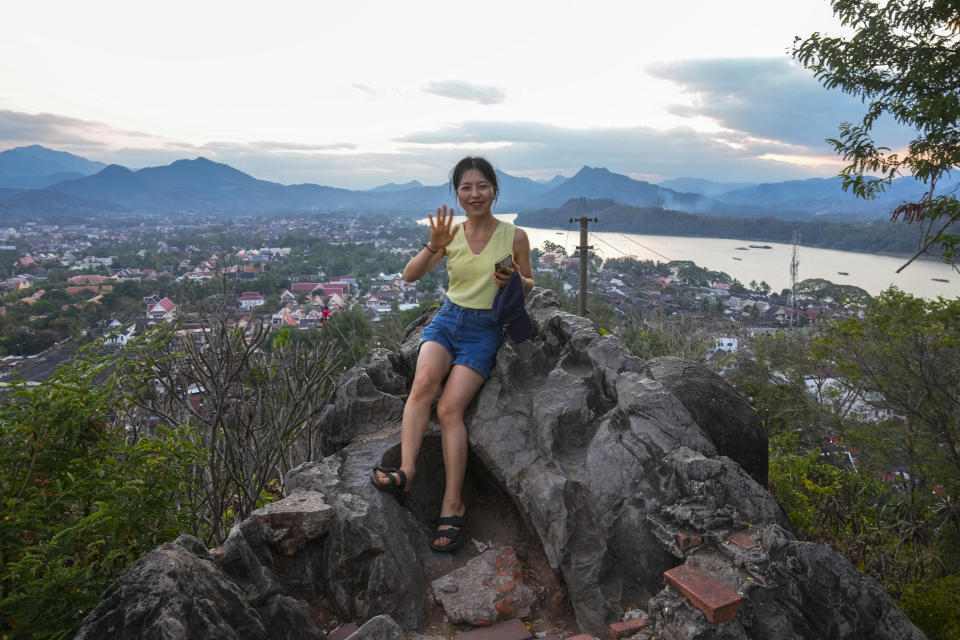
x: 471, y: 336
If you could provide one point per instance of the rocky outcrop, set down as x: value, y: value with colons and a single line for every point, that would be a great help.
x: 623, y: 469
x: 726, y: 418
x: 176, y: 592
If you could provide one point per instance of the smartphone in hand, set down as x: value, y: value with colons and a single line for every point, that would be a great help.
x: 506, y: 260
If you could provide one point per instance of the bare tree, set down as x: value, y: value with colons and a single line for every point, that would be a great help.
x: 253, y: 405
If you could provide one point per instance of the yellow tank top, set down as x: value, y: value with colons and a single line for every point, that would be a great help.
x: 471, y: 276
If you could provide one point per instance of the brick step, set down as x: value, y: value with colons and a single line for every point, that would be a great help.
x: 715, y: 600
x: 678, y: 540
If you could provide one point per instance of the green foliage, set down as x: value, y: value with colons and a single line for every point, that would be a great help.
x: 804, y: 485
x: 553, y: 247
x: 391, y: 331
x: 350, y: 330
x: 820, y: 289
x: 810, y: 390
x: 691, y: 274
x: 637, y: 268
x: 901, y: 60
x: 906, y: 350
x: 933, y: 605
x: 81, y: 500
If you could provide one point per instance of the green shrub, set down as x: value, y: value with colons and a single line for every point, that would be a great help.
x: 933, y: 605
x: 81, y: 500
x: 803, y: 484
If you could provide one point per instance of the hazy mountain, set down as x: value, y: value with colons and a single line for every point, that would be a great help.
x: 201, y: 185
x: 826, y: 197
x: 556, y: 181
x: 198, y: 184
x: 393, y: 186
x: 35, y: 167
x: 703, y: 187
x: 592, y: 182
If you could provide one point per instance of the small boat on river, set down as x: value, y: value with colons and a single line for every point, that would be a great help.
x: 842, y: 273
x: 760, y: 246
x: 742, y: 249
x: 738, y: 258
x: 939, y: 279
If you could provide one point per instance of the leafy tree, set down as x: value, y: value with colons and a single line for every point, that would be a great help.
x: 906, y: 351
x: 820, y: 289
x: 81, y: 499
x: 553, y: 247
x: 902, y: 61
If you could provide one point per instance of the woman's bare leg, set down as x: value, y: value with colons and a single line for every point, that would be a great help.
x: 461, y: 387
x: 433, y: 363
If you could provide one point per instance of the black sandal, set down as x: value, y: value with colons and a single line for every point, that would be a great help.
x: 454, y: 535
x: 394, y: 487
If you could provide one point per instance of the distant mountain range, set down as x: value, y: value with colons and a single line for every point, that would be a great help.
x: 36, y: 181
x: 36, y: 167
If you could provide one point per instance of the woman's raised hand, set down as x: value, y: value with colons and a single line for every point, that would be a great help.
x: 441, y: 233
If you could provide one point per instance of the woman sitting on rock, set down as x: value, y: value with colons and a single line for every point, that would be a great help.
x: 462, y: 340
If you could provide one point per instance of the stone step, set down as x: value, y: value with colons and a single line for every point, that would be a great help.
x: 717, y: 601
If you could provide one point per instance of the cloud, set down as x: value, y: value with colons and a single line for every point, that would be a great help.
x: 364, y: 88
x: 772, y: 98
x: 71, y: 134
x: 531, y: 149
x: 276, y: 146
x: 459, y: 90
x: 541, y: 150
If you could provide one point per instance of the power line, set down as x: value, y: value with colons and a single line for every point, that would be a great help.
x: 647, y: 248
x: 594, y: 236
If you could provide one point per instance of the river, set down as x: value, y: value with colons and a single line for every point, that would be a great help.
x: 871, y: 272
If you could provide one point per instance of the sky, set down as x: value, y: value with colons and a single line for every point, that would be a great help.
x: 361, y: 93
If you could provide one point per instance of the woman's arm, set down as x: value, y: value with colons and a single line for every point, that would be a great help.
x: 421, y: 263
x: 521, y: 258
x: 441, y: 234
x: 521, y: 262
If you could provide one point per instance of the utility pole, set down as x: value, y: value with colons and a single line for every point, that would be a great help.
x: 794, y: 264
x: 583, y: 248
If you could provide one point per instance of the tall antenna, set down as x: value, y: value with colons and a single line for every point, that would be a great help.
x: 794, y: 263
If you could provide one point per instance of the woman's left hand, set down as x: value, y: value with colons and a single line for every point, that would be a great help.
x: 501, y: 277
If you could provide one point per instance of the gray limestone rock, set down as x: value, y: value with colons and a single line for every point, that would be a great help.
x: 792, y: 591
x: 372, y: 545
x: 725, y: 417
x: 368, y: 397
x: 381, y: 627
x: 174, y: 594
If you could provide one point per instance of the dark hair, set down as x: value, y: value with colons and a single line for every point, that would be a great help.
x: 480, y: 164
